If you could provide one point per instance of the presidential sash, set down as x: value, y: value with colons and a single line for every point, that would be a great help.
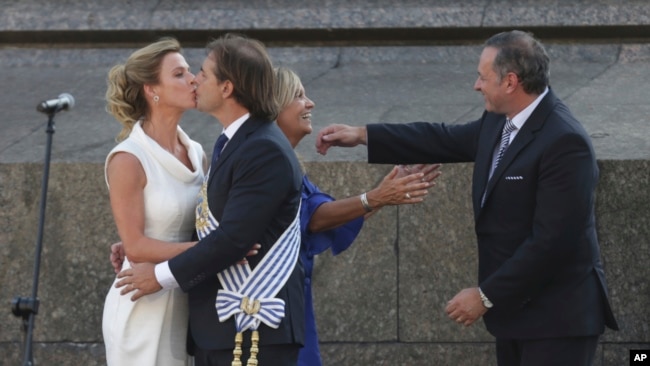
x: 249, y: 295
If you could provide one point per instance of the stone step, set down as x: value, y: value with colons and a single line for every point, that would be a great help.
x: 340, y: 21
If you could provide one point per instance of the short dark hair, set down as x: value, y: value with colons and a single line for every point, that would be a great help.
x: 519, y: 52
x: 246, y: 64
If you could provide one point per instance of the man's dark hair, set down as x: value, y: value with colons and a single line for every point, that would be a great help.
x: 245, y: 63
x: 520, y: 53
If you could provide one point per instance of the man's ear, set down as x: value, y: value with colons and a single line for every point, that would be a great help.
x: 227, y: 89
x: 513, y: 81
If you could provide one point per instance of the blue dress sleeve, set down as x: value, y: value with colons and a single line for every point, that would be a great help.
x: 338, y: 239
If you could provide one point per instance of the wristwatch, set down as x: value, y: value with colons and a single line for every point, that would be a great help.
x: 486, y: 302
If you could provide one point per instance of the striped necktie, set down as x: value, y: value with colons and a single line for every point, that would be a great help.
x: 503, y: 146
x: 505, y: 142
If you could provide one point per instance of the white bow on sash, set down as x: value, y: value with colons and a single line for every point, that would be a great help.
x: 250, y: 295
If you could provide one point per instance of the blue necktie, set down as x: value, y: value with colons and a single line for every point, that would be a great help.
x: 218, y: 146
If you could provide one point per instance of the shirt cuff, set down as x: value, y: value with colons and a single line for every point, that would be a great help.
x: 165, y: 277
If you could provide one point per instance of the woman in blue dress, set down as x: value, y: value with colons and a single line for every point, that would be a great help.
x: 332, y: 224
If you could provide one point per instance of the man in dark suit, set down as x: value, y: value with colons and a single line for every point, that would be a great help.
x: 252, y: 195
x: 541, y: 287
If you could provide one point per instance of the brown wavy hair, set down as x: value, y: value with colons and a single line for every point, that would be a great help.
x: 125, y: 94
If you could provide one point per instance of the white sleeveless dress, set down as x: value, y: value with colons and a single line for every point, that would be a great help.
x: 153, y: 330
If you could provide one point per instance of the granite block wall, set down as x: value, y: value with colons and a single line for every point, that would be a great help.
x: 379, y: 303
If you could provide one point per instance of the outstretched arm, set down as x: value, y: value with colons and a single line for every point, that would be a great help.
x: 339, y: 135
x: 117, y: 255
x: 396, y: 188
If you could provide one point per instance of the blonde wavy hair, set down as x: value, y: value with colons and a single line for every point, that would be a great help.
x: 125, y: 94
x: 286, y: 88
x: 287, y: 85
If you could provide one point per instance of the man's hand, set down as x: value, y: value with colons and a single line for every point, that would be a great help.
x: 254, y: 250
x: 117, y: 256
x: 339, y: 135
x: 430, y: 171
x: 140, y: 278
x: 466, y: 307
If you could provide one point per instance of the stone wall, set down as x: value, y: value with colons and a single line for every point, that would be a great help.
x: 379, y: 303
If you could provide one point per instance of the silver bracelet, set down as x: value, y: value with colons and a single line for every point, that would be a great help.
x: 364, y: 202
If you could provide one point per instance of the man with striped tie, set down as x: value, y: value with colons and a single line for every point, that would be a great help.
x: 541, y: 288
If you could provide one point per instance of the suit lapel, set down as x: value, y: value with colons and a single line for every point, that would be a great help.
x: 524, y: 137
x: 234, y: 143
x: 483, y: 161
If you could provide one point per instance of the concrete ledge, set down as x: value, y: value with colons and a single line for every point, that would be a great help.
x: 381, y: 302
x: 334, y: 21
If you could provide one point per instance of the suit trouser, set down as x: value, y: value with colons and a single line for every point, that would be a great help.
x: 571, y: 351
x: 276, y: 355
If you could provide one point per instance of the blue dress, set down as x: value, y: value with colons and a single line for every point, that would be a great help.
x: 338, y: 239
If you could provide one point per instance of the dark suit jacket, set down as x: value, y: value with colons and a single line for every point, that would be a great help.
x: 254, y: 193
x: 539, y: 259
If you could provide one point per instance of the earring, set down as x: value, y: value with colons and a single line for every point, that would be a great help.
x: 156, y: 99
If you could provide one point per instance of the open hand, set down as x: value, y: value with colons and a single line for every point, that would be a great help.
x: 141, y: 278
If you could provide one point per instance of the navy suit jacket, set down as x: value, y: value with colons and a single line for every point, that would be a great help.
x: 254, y: 193
x: 539, y: 259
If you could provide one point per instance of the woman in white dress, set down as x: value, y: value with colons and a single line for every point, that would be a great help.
x: 153, y: 175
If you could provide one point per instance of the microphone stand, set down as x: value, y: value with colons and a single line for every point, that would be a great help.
x: 27, y: 307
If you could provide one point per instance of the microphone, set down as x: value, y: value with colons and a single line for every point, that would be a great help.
x: 65, y: 101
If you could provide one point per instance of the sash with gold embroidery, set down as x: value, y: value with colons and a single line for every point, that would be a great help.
x: 249, y: 295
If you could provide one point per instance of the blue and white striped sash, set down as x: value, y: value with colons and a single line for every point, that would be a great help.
x: 248, y: 294
x: 242, y: 288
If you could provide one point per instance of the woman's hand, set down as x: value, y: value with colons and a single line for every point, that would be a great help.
x: 404, y: 185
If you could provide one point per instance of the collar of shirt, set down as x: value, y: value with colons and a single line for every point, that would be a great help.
x: 522, y: 116
x: 233, y: 127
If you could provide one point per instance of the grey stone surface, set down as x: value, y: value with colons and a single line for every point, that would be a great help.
x: 438, y: 258
x: 566, y: 13
x: 619, y: 354
x: 359, y: 303
x: 328, y: 14
x: 408, y: 354
x: 624, y: 233
x: 388, y: 290
x: 74, y: 272
x: 604, y: 84
x: 635, y: 52
x: 382, y: 301
x: 55, y: 354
